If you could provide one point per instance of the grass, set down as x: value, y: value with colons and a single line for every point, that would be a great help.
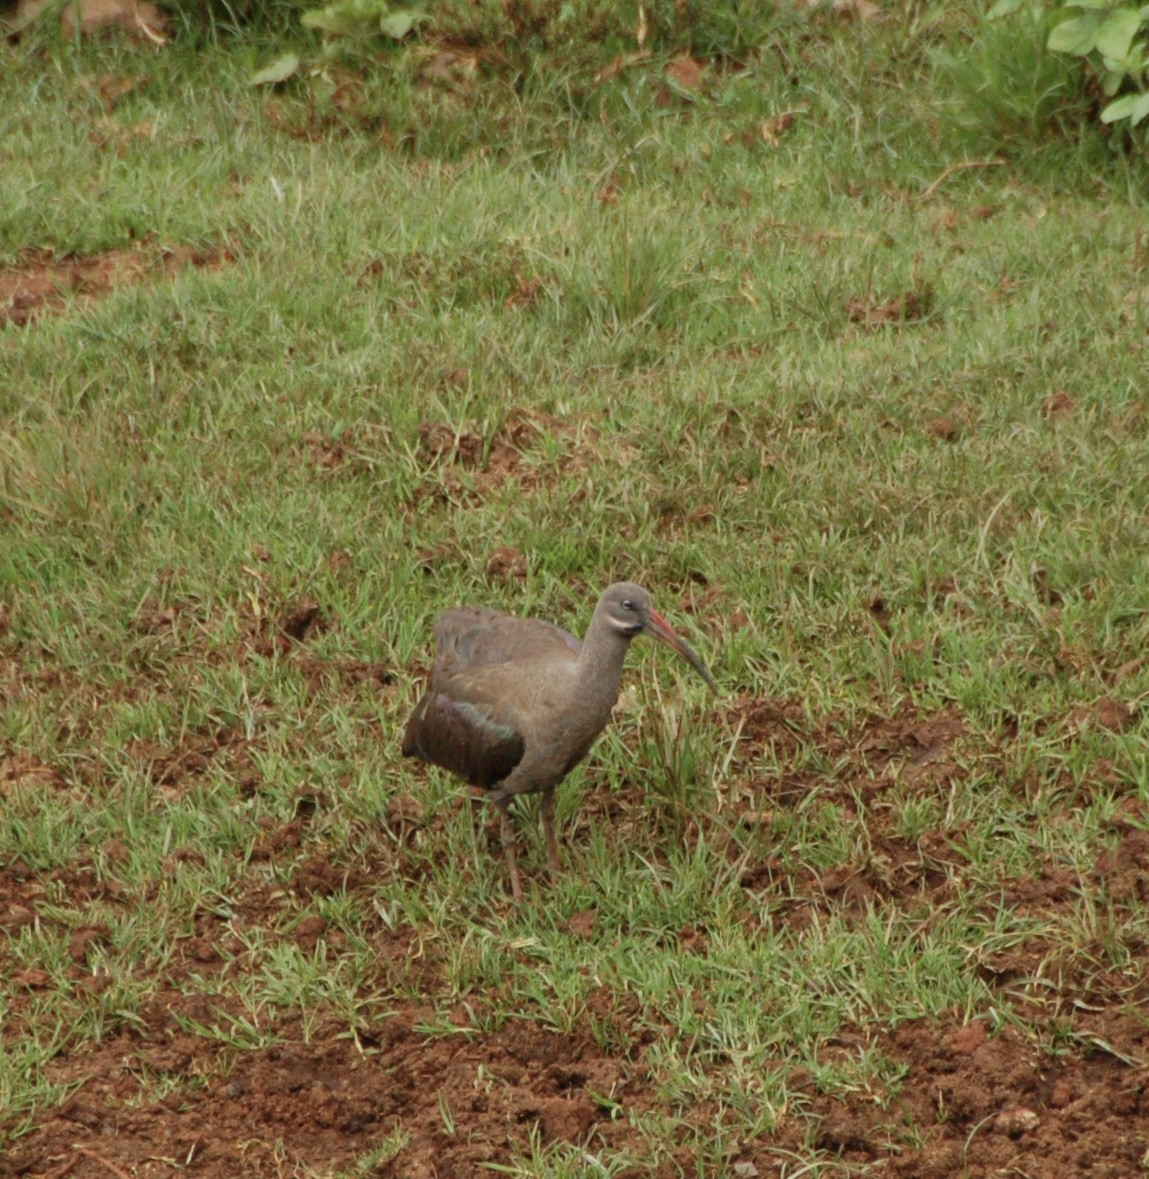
x: 639, y: 309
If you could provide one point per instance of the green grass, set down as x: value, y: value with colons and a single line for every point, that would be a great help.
x: 664, y: 298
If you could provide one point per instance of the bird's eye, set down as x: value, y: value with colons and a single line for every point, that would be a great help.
x: 627, y: 604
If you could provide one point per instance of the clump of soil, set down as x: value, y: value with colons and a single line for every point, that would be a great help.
x: 462, y: 1101
x: 911, y: 306
x: 470, y: 464
x: 42, y: 282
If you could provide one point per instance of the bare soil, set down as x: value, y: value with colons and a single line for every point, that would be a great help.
x: 42, y: 282
x: 319, y: 1103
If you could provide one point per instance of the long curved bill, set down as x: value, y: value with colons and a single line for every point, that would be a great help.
x: 661, y: 630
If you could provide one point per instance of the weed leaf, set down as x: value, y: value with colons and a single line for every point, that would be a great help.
x: 1077, y: 36
x: 1134, y: 107
x: 1115, y: 37
x: 279, y: 71
x: 397, y: 25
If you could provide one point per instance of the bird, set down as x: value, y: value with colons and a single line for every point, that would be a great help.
x: 513, y: 704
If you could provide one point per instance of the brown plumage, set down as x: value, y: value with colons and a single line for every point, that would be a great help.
x: 514, y: 704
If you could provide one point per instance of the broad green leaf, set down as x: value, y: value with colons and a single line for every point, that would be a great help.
x: 1004, y: 8
x: 1111, y: 81
x: 1140, y: 108
x: 397, y: 24
x: 1077, y: 36
x: 279, y: 71
x: 339, y: 20
x: 1122, y: 108
x: 1117, y: 31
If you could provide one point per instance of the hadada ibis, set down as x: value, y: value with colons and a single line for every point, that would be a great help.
x: 514, y: 704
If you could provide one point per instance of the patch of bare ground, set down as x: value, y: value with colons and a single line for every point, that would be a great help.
x: 1079, y: 984
x: 918, y: 754
x: 360, y: 448
x: 319, y: 1101
x: 506, y: 563
x: 971, y: 1103
x: 977, y: 1104
x: 469, y: 465
x: 912, y: 306
x: 42, y: 282
x: 163, y: 1091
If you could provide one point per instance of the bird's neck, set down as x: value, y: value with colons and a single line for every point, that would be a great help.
x: 600, y: 660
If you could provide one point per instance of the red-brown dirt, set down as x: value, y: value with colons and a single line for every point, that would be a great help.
x: 41, y: 282
x: 321, y: 1103
x: 987, y: 1105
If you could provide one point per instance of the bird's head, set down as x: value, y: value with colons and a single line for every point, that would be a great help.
x: 630, y: 611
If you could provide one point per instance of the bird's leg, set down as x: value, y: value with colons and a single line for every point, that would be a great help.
x: 509, y: 847
x: 548, y: 816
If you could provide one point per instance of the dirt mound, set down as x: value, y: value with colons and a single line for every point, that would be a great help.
x: 454, y: 1101
x: 987, y: 1105
x: 44, y: 283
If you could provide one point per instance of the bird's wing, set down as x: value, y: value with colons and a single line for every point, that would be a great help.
x: 470, y: 637
x: 485, y: 663
x: 471, y: 738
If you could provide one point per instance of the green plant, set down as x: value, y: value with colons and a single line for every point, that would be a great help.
x: 1113, y: 38
x: 350, y: 28
x: 584, y: 35
x: 1014, y: 88
x: 366, y: 22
